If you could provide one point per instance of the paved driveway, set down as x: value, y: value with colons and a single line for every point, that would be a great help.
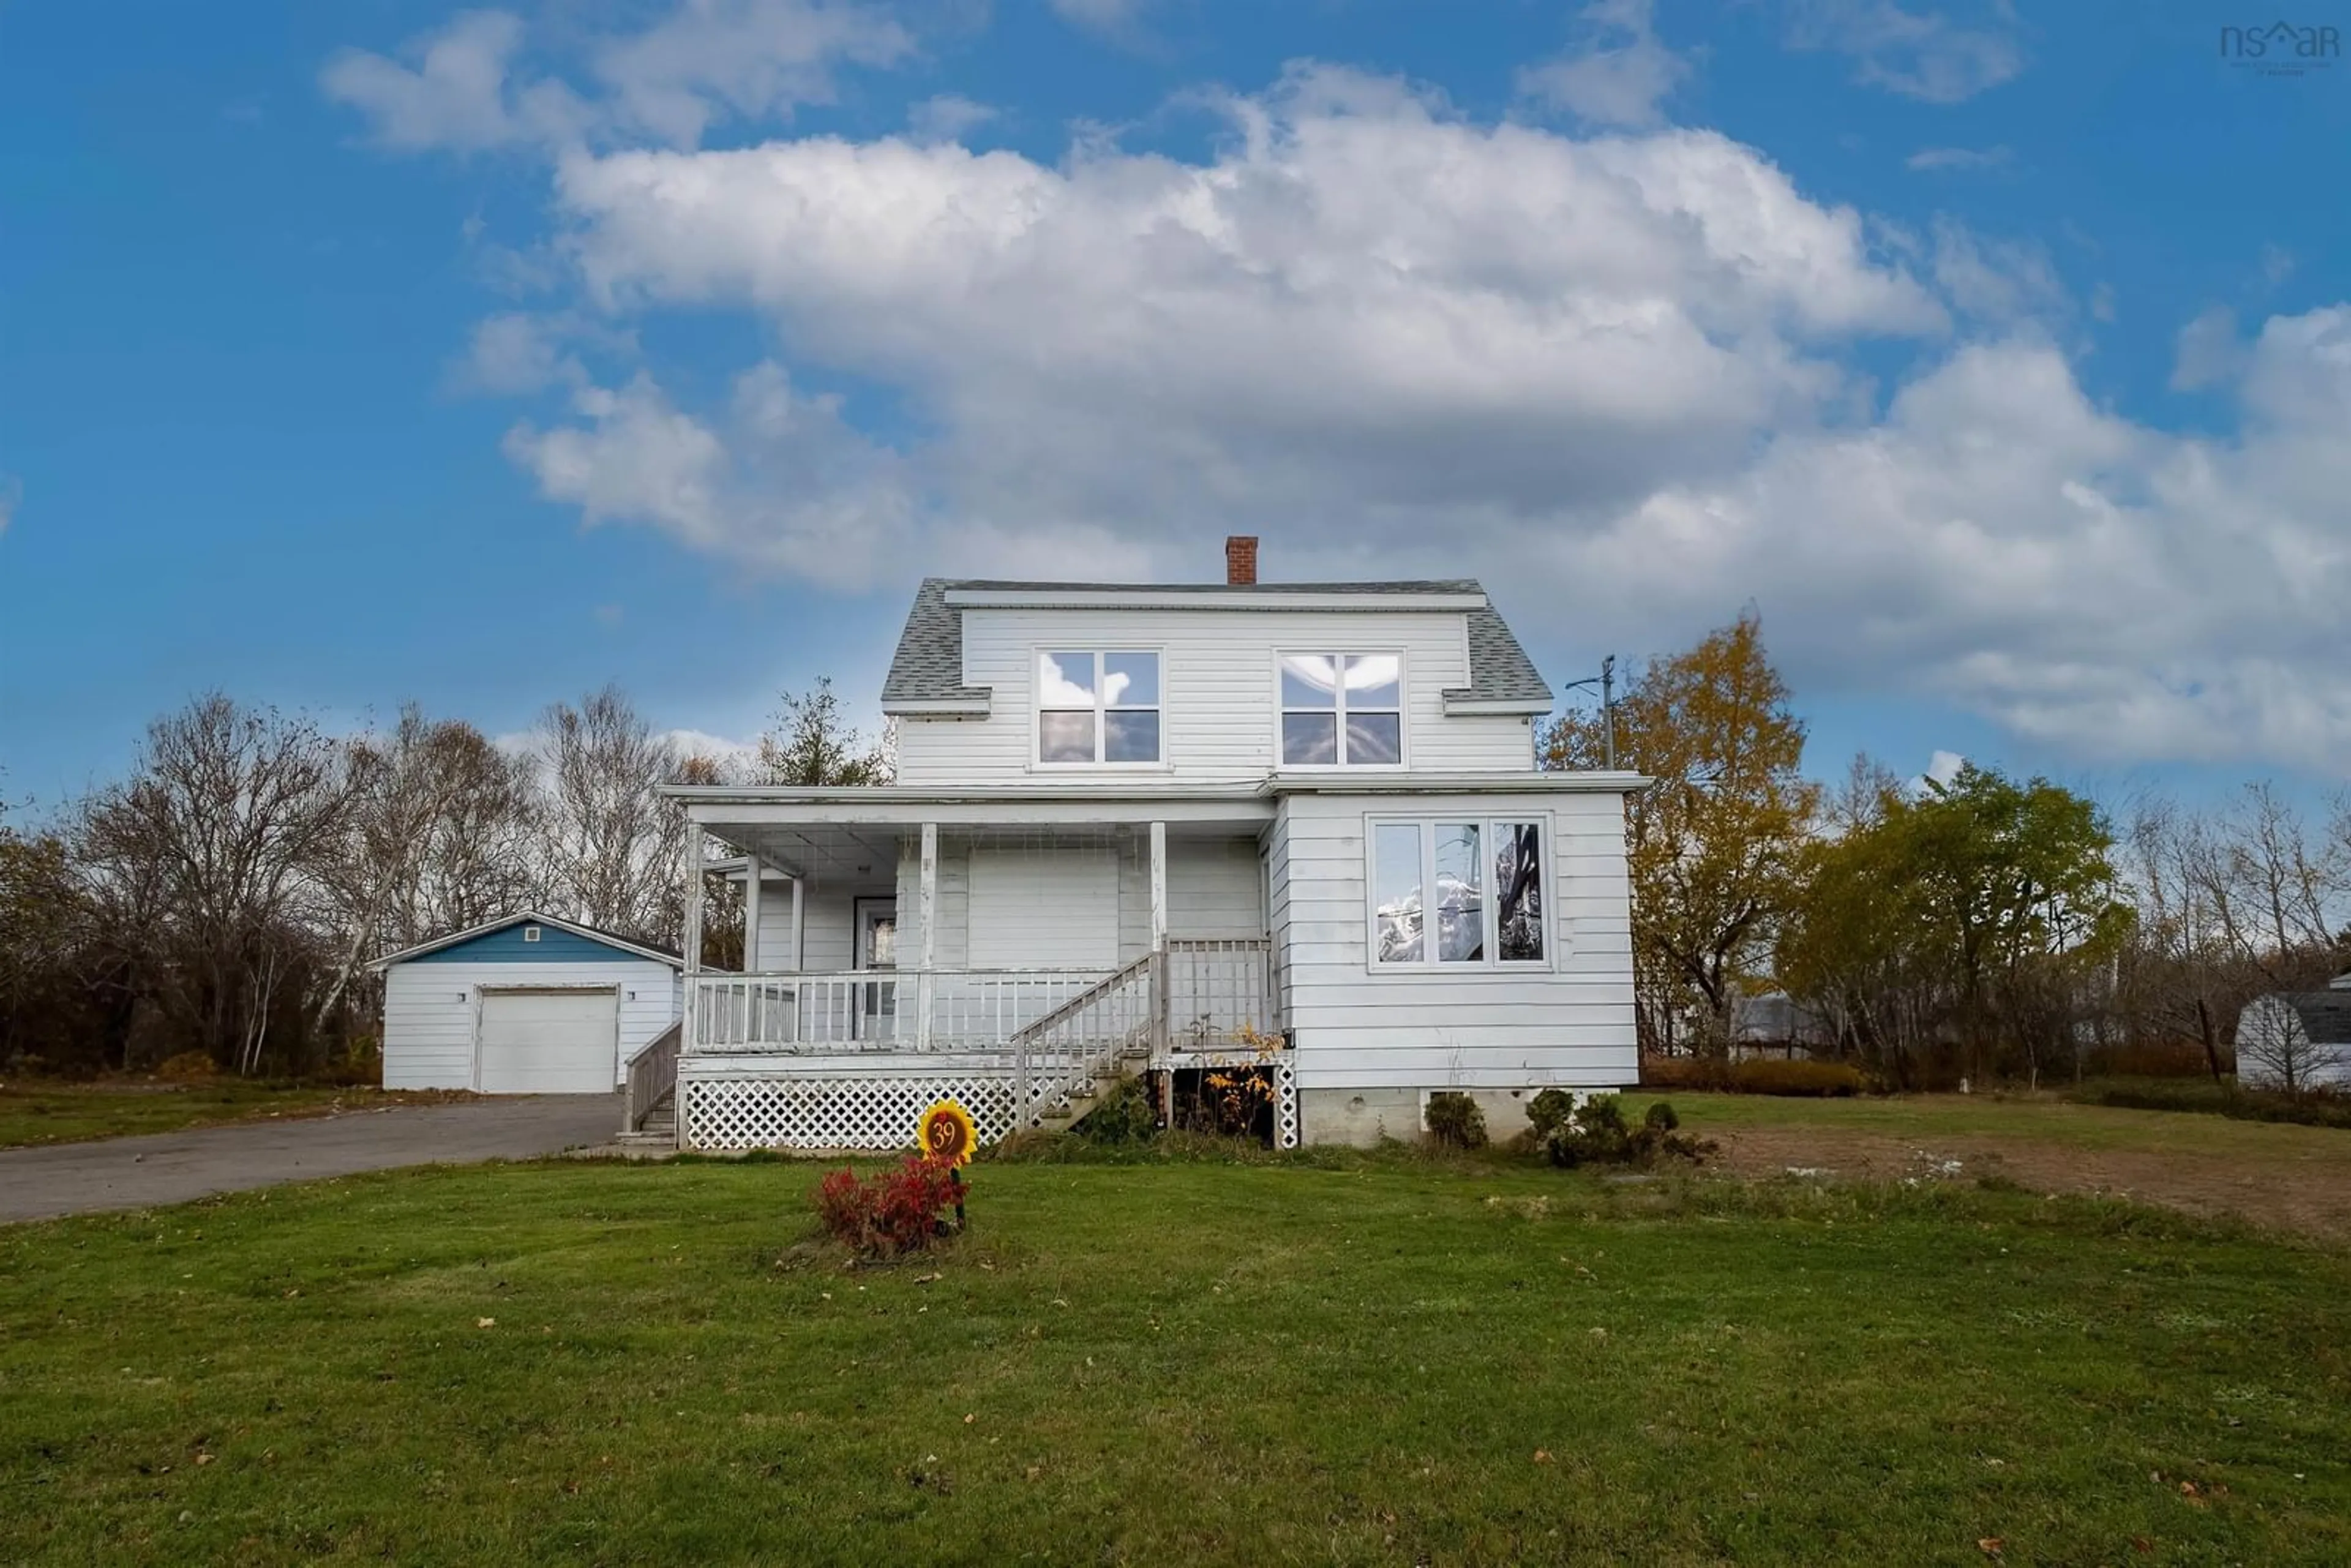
x: 173, y: 1167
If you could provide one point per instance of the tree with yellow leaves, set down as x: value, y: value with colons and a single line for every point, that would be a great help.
x: 1714, y: 843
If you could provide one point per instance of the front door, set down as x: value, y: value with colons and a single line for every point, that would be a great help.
x: 877, y: 948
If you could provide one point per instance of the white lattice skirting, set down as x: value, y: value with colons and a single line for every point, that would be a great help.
x: 875, y: 1113
x: 832, y: 1112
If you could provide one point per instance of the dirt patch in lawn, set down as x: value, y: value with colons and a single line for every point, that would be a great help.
x: 2300, y: 1193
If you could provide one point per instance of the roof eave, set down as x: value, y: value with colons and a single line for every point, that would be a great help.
x: 937, y: 707
x: 1461, y: 704
x: 1343, y: 781
x: 527, y: 917
x: 1264, y: 598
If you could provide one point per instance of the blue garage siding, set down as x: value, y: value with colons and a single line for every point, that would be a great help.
x: 555, y: 945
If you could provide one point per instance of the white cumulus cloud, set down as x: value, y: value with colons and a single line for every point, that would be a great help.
x: 1615, y: 374
x: 781, y: 481
x: 1619, y: 75
x: 1916, y: 52
x: 473, y: 85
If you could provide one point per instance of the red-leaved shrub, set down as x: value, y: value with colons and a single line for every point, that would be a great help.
x: 903, y: 1210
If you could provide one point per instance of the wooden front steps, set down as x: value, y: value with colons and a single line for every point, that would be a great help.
x: 659, y: 1128
x: 1085, y: 1093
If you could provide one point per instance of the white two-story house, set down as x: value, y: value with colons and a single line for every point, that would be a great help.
x: 1144, y: 827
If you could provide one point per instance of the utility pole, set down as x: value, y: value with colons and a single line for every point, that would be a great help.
x: 1606, y: 681
x: 1608, y: 709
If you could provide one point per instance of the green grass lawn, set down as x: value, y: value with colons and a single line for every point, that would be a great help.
x: 34, y: 1111
x: 1348, y: 1360
x: 2041, y: 1118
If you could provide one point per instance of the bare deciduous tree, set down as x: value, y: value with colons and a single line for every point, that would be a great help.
x: 611, y: 842
x: 438, y: 838
x: 211, y: 844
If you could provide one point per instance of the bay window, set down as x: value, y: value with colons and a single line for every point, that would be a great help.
x: 1449, y: 894
x: 1096, y: 706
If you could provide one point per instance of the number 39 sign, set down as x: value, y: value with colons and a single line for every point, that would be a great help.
x: 946, y: 1134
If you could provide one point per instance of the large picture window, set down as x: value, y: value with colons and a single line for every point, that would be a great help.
x: 1342, y: 710
x: 1457, y: 894
x: 1095, y: 706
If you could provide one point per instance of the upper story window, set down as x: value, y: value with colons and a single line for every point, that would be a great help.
x: 1097, y: 707
x: 1343, y: 710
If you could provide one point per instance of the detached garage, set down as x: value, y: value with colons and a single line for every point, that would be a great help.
x: 525, y: 1005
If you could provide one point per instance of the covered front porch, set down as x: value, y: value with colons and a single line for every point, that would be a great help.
x: 1019, y: 954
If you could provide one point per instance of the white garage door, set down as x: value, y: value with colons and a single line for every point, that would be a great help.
x: 548, y: 1042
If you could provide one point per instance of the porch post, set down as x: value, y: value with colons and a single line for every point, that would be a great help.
x: 751, y: 879
x: 1159, y: 973
x: 799, y: 927
x: 929, y: 906
x: 693, y: 935
x: 1158, y: 886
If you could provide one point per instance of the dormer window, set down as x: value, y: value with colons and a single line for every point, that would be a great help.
x: 1097, y: 707
x: 1342, y: 710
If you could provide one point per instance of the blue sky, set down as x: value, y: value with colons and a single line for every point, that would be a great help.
x: 1999, y: 356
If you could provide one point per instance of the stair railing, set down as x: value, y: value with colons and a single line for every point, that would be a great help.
x: 1083, y: 1036
x: 652, y: 1073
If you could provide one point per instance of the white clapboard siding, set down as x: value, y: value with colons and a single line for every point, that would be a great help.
x: 1044, y: 908
x: 953, y: 892
x: 1134, y: 898
x: 1571, y: 1023
x: 1218, y: 703
x: 1216, y: 887
x: 830, y: 915
x: 430, y: 1011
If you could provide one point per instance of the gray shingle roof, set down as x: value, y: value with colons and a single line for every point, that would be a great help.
x: 2326, y: 1015
x: 928, y: 666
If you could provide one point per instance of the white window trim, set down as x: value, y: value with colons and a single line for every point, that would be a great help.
x: 1339, y: 711
x: 1037, y: 763
x: 1491, y: 966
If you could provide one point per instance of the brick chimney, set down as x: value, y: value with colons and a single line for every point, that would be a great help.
x: 1240, y: 560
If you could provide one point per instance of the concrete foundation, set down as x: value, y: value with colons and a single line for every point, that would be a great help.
x: 1363, y: 1116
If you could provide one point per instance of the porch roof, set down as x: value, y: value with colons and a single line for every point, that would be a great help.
x: 866, y: 854
x: 854, y: 833
x: 1112, y: 799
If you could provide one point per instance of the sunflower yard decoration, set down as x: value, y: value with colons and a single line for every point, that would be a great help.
x: 946, y: 1137
x: 945, y: 1133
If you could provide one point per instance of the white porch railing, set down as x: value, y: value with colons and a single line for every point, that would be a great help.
x: 1199, y: 995
x: 1012, y: 1044
x: 1215, y: 989
x: 870, y: 1009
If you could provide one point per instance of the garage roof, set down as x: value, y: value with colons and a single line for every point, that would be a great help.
x: 614, y: 940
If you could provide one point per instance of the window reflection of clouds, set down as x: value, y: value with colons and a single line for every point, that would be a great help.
x: 1065, y: 680
x: 1309, y: 680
